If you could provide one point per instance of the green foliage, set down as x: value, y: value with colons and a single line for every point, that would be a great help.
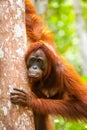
x: 61, y: 20
x: 66, y: 125
x: 84, y: 5
x: 84, y: 78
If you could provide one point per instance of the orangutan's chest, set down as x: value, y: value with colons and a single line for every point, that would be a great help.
x: 49, y: 92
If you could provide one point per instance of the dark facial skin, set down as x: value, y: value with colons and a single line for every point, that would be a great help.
x: 37, y: 65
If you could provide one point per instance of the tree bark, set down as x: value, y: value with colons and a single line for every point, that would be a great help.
x: 82, y: 34
x: 12, y: 65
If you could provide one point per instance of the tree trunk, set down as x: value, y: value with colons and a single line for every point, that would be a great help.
x: 82, y: 34
x: 12, y: 65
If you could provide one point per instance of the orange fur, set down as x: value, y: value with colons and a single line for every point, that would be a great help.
x: 34, y: 25
x: 62, y: 91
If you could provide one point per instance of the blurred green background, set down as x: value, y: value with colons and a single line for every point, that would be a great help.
x: 61, y: 19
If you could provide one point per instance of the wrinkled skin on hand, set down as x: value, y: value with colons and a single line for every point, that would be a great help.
x: 20, y: 97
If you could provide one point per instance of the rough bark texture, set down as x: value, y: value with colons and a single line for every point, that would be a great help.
x: 12, y: 65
